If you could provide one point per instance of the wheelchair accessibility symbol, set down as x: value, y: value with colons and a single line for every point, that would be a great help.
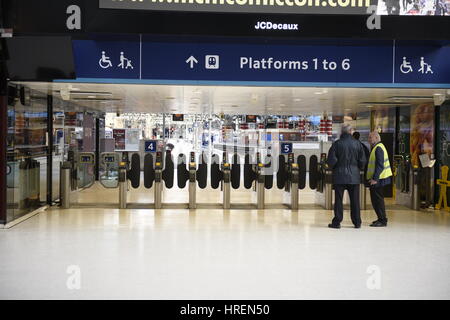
x: 105, y: 62
x: 406, y: 66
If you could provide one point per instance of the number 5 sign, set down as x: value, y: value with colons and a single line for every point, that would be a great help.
x: 286, y: 148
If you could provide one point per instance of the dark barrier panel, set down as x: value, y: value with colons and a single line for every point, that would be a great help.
x: 281, y: 174
x: 268, y: 179
x: 149, y: 171
x: 40, y: 58
x: 236, y: 172
x: 216, y: 173
x: 301, y: 161
x: 313, y: 172
x: 182, y: 172
x: 249, y: 174
x: 202, y: 171
x: 168, y: 172
x: 134, y: 174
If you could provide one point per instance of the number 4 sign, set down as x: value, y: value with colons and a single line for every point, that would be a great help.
x: 150, y: 146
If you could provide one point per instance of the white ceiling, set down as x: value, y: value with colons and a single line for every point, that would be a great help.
x: 228, y: 99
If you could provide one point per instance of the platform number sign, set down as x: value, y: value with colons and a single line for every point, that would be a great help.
x: 286, y: 148
x: 150, y: 146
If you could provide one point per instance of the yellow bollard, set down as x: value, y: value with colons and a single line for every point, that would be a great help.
x: 443, y: 183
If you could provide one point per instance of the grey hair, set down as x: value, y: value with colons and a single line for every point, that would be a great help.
x: 376, y: 136
x: 346, y: 128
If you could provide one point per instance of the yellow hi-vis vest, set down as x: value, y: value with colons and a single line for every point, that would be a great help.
x: 387, y: 172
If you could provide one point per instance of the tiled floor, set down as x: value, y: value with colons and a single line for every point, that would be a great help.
x: 216, y: 254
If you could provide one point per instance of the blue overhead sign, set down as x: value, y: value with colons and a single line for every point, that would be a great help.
x: 385, y: 63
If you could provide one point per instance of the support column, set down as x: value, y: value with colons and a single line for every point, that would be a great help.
x: 97, y: 148
x: 437, y: 151
x: 50, y: 149
x: 3, y: 145
x: 3, y: 134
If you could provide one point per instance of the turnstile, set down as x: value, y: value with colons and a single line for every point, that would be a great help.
x: 123, y: 187
x: 192, y: 182
x: 158, y: 181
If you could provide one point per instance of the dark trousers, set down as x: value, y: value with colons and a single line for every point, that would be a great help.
x: 377, y: 198
x: 353, y: 192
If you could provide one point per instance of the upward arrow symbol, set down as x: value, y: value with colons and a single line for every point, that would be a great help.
x: 191, y: 60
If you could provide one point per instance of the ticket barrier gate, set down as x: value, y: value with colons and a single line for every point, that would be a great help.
x: 192, y: 182
x: 85, y: 170
x: 321, y: 180
x: 228, y: 176
x: 221, y: 176
x: 85, y: 174
x: 123, y: 185
x: 406, y: 181
x: 158, y: 181
x: 291, y: 177
x: 362, y: 192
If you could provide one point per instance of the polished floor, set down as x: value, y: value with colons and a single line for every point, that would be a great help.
x: 105, y: 253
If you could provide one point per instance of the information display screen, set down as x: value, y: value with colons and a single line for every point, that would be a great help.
x: 178, y: 117
x: 86, y: 159
x: 109, y: 159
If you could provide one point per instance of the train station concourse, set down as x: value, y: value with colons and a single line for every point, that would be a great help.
x: 154, y: 151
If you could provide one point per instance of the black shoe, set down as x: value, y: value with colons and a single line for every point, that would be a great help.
x: 334, y: 226
x: 358, y: 227
x: 378, y: 224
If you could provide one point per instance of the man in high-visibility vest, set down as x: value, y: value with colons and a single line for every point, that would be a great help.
x: 379, y: 175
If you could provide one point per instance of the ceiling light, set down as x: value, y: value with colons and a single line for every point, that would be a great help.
x: 92, y: 93
x: 384, y: 103
x: 297, y: 99
x: 410, y: 98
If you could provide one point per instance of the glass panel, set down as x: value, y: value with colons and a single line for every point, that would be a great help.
x: 109, y: 170
x: 26, y: 152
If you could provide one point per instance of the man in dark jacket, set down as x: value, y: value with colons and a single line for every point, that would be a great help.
x: 357, y: 135
x: 379, y: 174
x: 346, y: 158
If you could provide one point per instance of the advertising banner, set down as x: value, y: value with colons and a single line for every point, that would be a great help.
x: 384, y: 7
x: 119, y: 137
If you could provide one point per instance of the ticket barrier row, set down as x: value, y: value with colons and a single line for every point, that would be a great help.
x: 291, y: 175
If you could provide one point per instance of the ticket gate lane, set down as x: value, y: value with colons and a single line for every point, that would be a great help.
x: 149, y: 171
x: 249, y: 172
x: 236, y: 172
x: 202, y: 172
x: 268, y: 174
x: 134, y: 174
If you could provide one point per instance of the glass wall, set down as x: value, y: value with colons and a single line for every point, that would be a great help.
x: 27, y: 148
